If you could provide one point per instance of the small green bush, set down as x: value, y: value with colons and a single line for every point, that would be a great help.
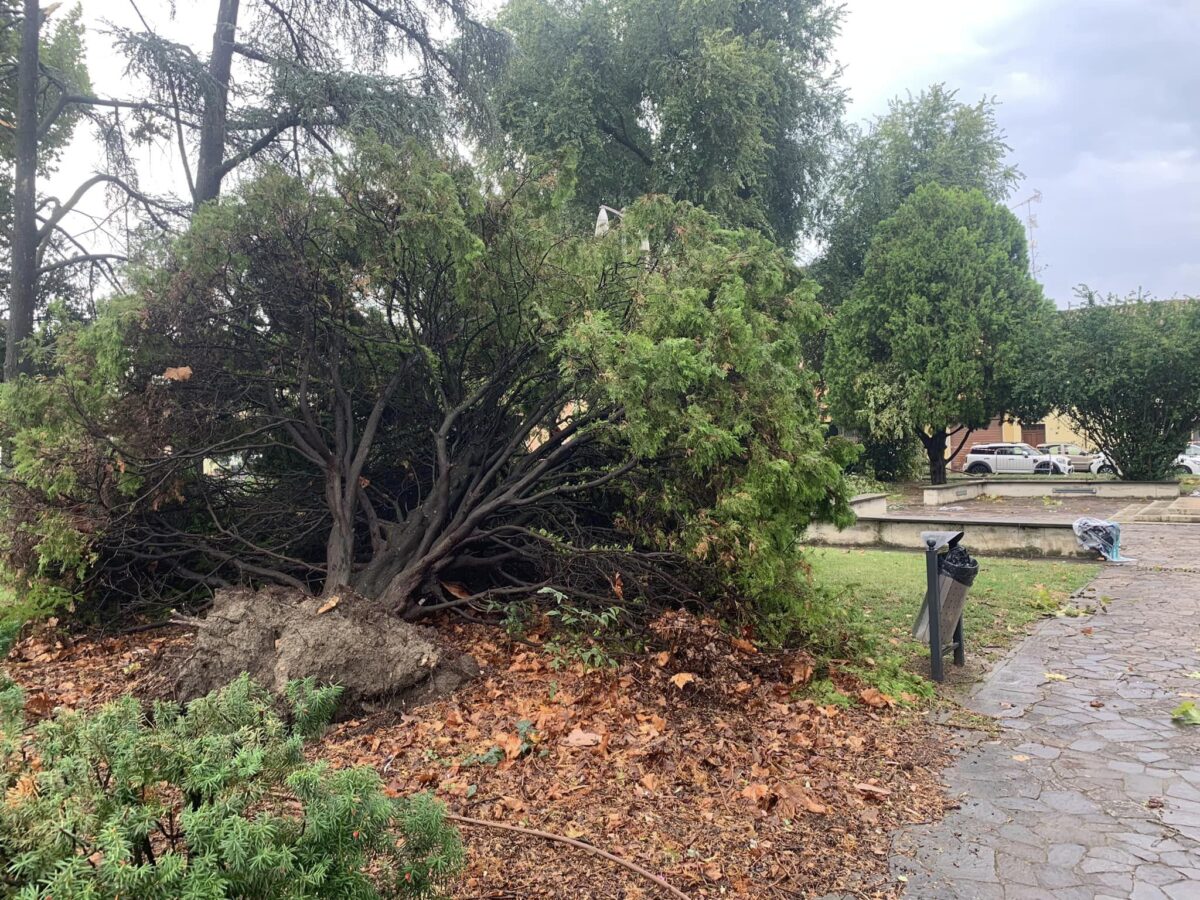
x: 212, y: 801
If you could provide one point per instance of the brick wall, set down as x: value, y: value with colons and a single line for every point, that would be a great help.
x: 993, y: 432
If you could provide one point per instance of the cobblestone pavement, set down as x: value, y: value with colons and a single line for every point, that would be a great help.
x: 1089, y: 791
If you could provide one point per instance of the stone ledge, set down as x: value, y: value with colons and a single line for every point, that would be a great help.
x: 1047, y: 486
x: 998, y: 537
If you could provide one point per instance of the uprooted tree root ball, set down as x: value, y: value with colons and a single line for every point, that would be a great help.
x: 279, y: 634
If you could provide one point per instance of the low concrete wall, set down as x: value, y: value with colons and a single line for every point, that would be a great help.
x: 1047, y: 486
x: 986, y: 536
x: 869, y: 504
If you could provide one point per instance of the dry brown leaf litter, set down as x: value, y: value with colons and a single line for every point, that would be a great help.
x: 696, y: 760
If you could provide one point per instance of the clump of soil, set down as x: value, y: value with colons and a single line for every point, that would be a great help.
x: 277, y: 634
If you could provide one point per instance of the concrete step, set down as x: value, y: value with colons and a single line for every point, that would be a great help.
x: 1183, y: 511
x: 1129, y: 513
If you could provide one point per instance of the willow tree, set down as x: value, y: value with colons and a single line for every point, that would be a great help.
x: 946, y: 329
x: 728, y: 105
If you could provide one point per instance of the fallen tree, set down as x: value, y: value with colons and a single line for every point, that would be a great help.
x: 392, y: 380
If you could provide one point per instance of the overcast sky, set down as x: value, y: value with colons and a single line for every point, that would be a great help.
x: 1100, y: 100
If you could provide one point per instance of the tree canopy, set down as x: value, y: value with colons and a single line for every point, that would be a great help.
x: 61, y: 57
x: 931, y: 138
x: 402, y: 382
x: 944, y: 330
x: 1124, y: 371
x: 728, y: 105
x: 283, y: 79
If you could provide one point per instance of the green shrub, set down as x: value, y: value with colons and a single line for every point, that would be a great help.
x: 12, y: 698
x: 214, y: 801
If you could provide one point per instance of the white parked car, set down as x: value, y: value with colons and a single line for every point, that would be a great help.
x: 1016, y: 459
x: 1186, y: 463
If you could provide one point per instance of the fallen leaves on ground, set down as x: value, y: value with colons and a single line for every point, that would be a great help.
x: 1186, y: 713
x: 682, y: 679
x: 875, y: 699
x: 57, y: 670
x: 733, y: 787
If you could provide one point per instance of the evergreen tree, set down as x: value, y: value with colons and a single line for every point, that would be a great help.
x: 414, y: 380
x: 932, y: 138
x: 945, y: 330
x: 1125, y: 372
x: 35, y: 56
x: 212, y: 801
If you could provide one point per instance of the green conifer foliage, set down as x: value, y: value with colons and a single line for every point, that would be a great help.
x: 212, y: 801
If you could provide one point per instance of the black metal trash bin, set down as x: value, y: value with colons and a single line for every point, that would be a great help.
x: 950, y: 572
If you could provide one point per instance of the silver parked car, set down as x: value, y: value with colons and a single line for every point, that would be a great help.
x: 1081, y: 460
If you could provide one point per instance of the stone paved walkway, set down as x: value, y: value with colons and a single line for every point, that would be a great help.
x: 1089, y: 791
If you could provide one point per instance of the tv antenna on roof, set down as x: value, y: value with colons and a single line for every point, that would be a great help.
x: 1031, y: 224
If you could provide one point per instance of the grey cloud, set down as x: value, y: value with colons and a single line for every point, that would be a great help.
x: 1101, y: 102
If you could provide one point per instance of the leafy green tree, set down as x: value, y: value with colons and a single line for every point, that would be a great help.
x: 32, y: 61
x: 944, y: 329
x: 930, y: 138
x: 390, y: 376
x: 1125, y: 372
x: 213, y: 801
x: 61, y: 55
x: 727, y: 104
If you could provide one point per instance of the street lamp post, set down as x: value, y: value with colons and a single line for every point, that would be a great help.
x: 602, y: 227
x: 602, y: 219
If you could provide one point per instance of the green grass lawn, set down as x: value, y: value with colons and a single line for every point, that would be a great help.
x: 1008, y: 595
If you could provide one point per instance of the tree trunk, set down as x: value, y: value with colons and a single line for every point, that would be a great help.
x: 935, y: 449
x: 400, y: 594
x: 23, y: 291
x: 212, y: 130
x: 339, y: 548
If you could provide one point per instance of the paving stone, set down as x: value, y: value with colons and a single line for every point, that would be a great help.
x: 1025, y: 892
x: 1068, y: 801
x: 1097, y: 866
x: 1155, y: 875
x: 1070, y: 822
x: 974, y: 862
x: 1179, y: 860
x: 1065, y: 855
x: 1057, y: 879
x: 1012, y: 870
